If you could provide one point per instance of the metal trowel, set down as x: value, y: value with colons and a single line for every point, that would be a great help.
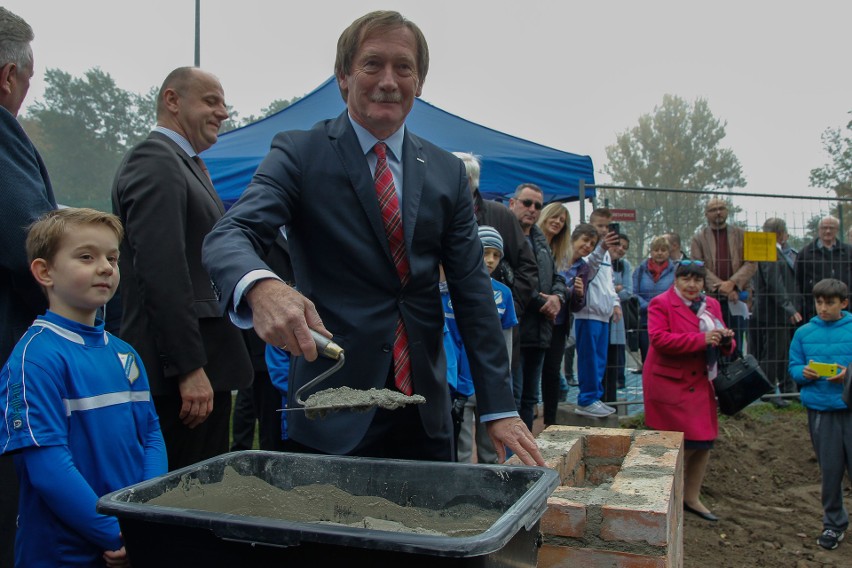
x: 344, y: 398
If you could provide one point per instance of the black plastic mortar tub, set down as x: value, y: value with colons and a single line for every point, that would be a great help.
x: 158, y: 536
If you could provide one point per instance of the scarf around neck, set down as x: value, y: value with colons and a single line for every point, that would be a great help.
x: 706, y: 322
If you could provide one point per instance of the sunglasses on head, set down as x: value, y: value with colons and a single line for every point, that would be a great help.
x: 687, y: 262
x: 527, y: 202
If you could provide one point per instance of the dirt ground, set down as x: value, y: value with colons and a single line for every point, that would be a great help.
x: 763, y: 483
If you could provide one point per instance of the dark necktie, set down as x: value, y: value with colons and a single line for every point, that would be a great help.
x: 203, y: 166
x: 389, y: 206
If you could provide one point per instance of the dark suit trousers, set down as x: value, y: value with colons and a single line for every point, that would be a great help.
x: 771, y: 343
x: 186, y: 446
x: 550, y: 372
x: 258, y: 404
x: 8, y: 511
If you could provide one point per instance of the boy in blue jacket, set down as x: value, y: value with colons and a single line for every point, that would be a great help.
x: 77, y: 413
x: 827, y: 339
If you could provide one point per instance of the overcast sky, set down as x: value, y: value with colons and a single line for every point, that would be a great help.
x: 565, y: 74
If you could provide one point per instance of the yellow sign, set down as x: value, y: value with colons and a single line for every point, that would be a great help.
x: 760, y: 247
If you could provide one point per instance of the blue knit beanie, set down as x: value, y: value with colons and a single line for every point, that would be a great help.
x: 491, y: 238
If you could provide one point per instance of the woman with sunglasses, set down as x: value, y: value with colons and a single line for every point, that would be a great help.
x: 687, y: 338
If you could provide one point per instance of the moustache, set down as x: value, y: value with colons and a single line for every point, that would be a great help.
x: 386, y: 97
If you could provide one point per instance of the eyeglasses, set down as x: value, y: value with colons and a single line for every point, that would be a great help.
x: 687, y: 262
x: 528, y: 202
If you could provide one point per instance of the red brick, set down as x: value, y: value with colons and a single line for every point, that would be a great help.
x: 609, y: 443
x: 567, y: 557
x: 602, y: 473
x: 564, y: 518
x: 630, y: 525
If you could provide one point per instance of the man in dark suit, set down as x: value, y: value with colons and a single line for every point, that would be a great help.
x: 26, y: 194
x: 824, y: 257
x: 776, y: 311
x: 385, y: 310
x: 164, y: 197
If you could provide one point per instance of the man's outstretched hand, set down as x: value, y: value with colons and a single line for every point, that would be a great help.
x: 513, y: 433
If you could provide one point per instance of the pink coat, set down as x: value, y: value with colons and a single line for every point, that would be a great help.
x: 678, y: 395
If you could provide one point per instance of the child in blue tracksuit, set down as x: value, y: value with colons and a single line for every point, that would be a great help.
x: 76, y: 409
x: 827, y: 338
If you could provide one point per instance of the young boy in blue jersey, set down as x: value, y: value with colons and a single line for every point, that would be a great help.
x: 827, y: 339
x: 492, y: 246
x: 77, y: 414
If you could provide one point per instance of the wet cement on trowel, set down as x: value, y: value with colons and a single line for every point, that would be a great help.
x: 346, y: 398
x: 322, y: 503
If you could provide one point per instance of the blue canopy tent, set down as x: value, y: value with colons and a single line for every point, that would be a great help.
x: 506, y: 160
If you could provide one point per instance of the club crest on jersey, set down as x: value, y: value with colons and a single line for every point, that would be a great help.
x: 131, y: 368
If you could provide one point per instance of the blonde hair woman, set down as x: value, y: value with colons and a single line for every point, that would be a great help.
x: 554, y: 223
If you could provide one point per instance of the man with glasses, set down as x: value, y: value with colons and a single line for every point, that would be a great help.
x: 825, y: 257
x: 720, y: 246
x: 536, y: 323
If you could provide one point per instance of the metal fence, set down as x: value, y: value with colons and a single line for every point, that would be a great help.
x: 660, y: 210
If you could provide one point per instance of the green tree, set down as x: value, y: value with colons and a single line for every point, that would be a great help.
x: 274, y: 106
x: 837, y: 174
x: 677, y: 146
x: 83, y: 127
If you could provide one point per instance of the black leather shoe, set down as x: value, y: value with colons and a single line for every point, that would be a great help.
x: 706, y: 516
x: 779, y: 402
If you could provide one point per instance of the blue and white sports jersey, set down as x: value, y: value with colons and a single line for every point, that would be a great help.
x: 79, y: 390
x: 505, y: 309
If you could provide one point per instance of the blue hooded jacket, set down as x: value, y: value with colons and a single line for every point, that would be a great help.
x: 822, y: 342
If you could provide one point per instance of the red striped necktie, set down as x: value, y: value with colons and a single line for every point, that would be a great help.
x: 389, y: 206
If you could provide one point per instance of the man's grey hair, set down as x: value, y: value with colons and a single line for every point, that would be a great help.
x: 828, y: 218
x: 472, y: 166
x: 523, y: 186
x: 774, y: 225
x: 15, y: 38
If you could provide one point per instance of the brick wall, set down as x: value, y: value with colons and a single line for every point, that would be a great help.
x: 619, y: 501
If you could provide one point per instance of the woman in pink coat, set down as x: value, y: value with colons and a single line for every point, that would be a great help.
x: 687, y: 337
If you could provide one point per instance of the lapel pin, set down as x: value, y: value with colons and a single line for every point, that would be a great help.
x: 421, y: 160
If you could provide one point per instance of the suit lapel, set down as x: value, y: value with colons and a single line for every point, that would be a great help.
x: 193, y: 167
x: 205, y: 181
x: 345, y: 143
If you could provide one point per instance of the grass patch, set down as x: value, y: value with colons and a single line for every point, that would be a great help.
x: 764, y: 411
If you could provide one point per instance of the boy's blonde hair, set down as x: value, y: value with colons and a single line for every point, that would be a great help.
x: 45, y: 235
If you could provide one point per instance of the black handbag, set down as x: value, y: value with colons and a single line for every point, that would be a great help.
x: 739, y: 383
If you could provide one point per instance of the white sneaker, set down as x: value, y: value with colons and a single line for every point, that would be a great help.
x: 595, y: 410
x: 608, y: 407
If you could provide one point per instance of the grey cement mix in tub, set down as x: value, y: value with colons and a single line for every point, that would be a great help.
x: 322, y: 503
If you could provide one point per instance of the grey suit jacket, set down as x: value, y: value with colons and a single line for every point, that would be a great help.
x: 170, y: 308
x: 318, y: 184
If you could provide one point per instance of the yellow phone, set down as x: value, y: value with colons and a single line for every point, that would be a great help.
x: 824, y: 369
